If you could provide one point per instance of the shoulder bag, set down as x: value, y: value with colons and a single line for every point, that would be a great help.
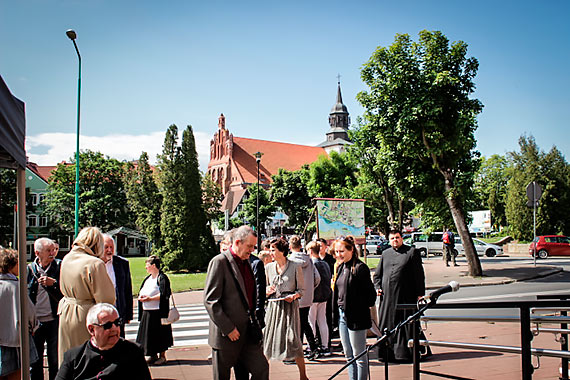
x: 173, y: 315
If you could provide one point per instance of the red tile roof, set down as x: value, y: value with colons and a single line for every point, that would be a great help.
x: 276, y: 155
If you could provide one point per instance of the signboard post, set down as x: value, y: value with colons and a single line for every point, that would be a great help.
x: 533, y: 192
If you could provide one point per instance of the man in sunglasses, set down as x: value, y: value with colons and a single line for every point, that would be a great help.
x: 106, y: 355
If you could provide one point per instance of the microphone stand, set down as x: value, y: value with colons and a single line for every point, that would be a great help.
x: 385, y: 337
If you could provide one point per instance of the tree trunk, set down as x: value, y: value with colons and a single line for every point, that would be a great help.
x: 400, y: 213
x: 463, y: 231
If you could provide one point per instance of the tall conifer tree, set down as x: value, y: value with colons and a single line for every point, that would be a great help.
x: 144, y: 199
x: 188, y: 242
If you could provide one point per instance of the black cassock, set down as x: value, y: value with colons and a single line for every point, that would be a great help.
x: 400, y: 275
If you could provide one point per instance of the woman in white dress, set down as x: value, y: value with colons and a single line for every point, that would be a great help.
x: 282, y: 333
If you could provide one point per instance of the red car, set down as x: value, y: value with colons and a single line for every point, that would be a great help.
x: 550, y: 245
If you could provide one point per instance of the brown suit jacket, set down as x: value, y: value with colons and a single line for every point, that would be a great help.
x: 223, y: 302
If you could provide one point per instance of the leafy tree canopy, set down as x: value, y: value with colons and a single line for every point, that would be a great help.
x: 419, y: 112
x: 102, y: 200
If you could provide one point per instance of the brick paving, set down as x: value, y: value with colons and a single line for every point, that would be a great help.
x: 192, y: 363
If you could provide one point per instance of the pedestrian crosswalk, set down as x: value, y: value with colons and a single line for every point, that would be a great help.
x: 190, y: 330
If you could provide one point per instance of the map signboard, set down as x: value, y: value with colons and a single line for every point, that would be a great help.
x: 341, y: 217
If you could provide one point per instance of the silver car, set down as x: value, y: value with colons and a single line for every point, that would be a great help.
x: 372, y: 245
x: 482, y: 248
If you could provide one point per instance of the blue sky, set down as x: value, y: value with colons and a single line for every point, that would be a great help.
x: 270, y: 67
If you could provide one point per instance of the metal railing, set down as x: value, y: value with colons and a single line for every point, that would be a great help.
x: 524, y: 319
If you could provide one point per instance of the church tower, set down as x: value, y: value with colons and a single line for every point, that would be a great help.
x: 339, y: 121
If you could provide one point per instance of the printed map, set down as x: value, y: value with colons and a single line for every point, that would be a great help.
x: 341, y: 218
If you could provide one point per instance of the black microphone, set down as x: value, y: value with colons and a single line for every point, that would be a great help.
x: 453, y: 286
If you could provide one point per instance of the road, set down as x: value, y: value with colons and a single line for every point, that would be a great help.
x: 526, y: 290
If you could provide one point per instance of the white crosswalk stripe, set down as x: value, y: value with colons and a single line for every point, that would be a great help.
x: 190, y: 330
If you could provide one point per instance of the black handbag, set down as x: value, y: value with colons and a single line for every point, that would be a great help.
x: 254, y: 332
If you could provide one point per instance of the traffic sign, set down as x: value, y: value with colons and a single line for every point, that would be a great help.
x: 533, y: 192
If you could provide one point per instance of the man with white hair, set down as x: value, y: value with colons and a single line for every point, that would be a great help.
x: 106, y: 355
x: 120, y: 274
x: 230, y: 298
x: 44, y: 292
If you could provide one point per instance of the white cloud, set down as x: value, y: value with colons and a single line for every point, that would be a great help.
x: 61, y: 146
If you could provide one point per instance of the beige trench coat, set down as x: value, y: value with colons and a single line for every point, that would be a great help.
x: 84, y: 282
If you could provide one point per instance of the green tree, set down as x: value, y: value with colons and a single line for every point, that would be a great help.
x: 200, y: 245
x: 102, y: 200
x: 332, y: 177
x: 289, y: 193
x: 188, y: 242
x: 169, y: 182
x: 552, y: 173
x: 249, y: 210
x: 383, y: 174
x: 419, y: 103
x: 491, y: 187
x: 7, y: 203
x: 211, y: 198
x: 144, y: 199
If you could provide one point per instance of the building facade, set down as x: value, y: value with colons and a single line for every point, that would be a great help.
x: 233, y: 164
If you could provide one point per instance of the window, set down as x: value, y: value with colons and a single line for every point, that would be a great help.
x: 43, y: 221
x: 32, y: 221
x: 435, y: 237
x: 550, y: 239
x: 563, y: 239
x: 420, y: 237
x: 63, y: 241
x: 42, y: 198
x: 34, y: 199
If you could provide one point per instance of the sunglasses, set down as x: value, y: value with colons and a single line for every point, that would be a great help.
x: 106, y: 326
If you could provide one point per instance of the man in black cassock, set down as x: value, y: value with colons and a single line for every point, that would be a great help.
x: 399, y: 279
x: 106, y: 355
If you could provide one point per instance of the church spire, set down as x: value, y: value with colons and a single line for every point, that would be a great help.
x: 339, y: 121
x: 338, y: 94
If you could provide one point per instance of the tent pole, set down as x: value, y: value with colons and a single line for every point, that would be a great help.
x: 22, y: 261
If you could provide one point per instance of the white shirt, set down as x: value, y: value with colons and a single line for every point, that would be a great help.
x: 150, y: 288
x: 111, y: 272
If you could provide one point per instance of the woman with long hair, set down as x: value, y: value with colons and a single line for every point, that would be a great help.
x: 282, y: 333
x: 154, y: 304
x: 353, y: 296
x: 83, y: 282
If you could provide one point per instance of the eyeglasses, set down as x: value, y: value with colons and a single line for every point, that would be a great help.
x: 106, y: 326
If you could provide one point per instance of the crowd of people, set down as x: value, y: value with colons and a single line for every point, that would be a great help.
x: 262, y: 307
x: 309, y: 294
x: 77, y: 308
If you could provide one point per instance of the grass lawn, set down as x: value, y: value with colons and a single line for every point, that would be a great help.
x: 178, y: 281
x: 371, y: 262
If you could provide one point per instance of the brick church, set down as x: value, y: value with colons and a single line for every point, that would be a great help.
x: 233, y: 164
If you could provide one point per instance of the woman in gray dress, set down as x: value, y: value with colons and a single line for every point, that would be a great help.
x: 282, y: 333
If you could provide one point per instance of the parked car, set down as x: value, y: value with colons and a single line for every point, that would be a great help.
x: 482, y: 248
x: 550, y: 245
x: 427, y: 244
x: 372, y: 245
x: 384, y: 245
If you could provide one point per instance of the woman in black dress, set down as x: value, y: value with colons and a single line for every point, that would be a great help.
x: 154, y: 304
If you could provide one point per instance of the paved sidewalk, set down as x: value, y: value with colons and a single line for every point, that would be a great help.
x: 191, y: 362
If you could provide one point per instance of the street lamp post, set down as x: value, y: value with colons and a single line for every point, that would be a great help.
x: 258, y: 160
x: 72, y: 36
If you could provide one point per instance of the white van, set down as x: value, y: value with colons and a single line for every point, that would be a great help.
x: 428, y: 244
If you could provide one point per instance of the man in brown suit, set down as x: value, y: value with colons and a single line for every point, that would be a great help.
x: 229, y: 286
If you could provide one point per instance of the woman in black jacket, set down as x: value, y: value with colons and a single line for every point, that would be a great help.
x: 353, y: 296
x: 154, y: 304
